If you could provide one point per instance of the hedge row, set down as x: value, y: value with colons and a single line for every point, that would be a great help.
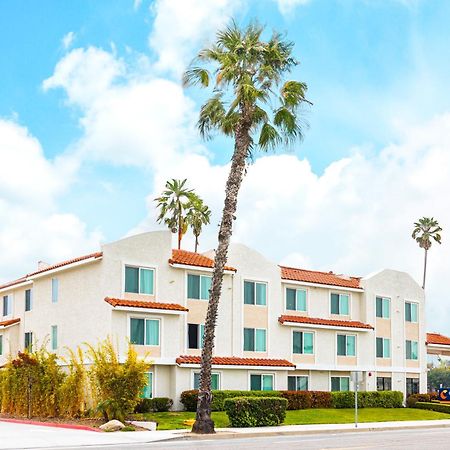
x: 157, y: 404
x: 307, y: 399
x: 432, y: 406
x: 255, y: 411
x: 371, y: 399
x: 414, y: 398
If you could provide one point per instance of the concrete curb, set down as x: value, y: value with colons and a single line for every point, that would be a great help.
x: 67, y: 426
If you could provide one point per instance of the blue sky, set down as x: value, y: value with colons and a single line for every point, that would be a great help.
x: 377, y: 72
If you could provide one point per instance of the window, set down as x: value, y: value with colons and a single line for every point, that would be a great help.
x: 261, y: 382
x: 346, y: 345
x: 299, y: 383
x: 55, y: 288
x: 215, y: 381
x: 7, y: 305
x: 147, y: 392
x: 383, y: 307
x: 195, y: 335
x: 139, y: 280
x: 255, y: 293
x: 1, y: 345
x: 340, y: 383
x: 412, y: 350
x: 54, y: 337
x: 28, y: 299
x: 340, y: 304
x: 254, y: 340
x: 411, y: 312
x: 383, y: 348
x: 302, y: 343
x: 199, y: 286
x: 295, y: 299
x: 384, y: 384
x: 412, y: 386
x: 144, y: 331
x: 28, y: 340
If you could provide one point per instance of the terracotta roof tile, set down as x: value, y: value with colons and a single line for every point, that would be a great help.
x: 144, y: 304
x: 52, y: 267
x: 235, y: 361
x: 436, y: 338
x: 193, y: 259
x: 326, y: 322
x: 311, y: 276
x: 6, y: 323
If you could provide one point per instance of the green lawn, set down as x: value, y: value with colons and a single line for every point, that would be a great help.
x: 174, y: 420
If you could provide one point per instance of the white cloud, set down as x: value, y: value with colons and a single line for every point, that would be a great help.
x: 68, y: 39
x: 287, y: 6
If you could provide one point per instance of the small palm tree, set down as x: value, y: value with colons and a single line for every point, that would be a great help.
x: 425, y: 231
x: 173, y: 204
x: 252, y: 104
x: 198, y: 215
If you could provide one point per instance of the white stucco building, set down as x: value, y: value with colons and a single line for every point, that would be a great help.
x: 278, y: 327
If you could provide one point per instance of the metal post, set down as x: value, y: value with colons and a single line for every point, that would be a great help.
x: 356, y: 400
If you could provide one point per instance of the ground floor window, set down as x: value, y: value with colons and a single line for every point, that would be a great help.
x: 148, y: 389
x: 340, y: 383
x: 384, y: 384
x: 261, y: 382
x: 412, y: 386
x: 28, y: 340
x: 1, y: 344
x: 215, y: 381
x: 298, y: 383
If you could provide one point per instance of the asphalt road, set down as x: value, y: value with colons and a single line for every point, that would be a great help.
x: 421, y: 439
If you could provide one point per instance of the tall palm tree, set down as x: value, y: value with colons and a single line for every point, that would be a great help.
x: 425, y: 231
x: 173, y: 204
x: 198, y: 215
x: 252, y: 104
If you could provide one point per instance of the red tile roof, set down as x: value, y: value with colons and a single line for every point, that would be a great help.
x: 144, y: 304
x: 328, y: 322
x: 193, y: 259
x: 436, y: 338
x: 6, y: 323
x: 234, y: 361
x: 312, y: 276
x: 52, y: 267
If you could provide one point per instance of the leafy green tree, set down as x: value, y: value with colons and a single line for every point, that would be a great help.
x: 253, y: 104
x: 198, y: 215
x: 439, y: 375
x: 425, y: 231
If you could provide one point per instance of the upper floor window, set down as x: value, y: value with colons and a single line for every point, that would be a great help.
x: 254, y: 340
x: 144, y: 331
x: 28, y: 340
x: 195, y: 335
x: 7, y: 305
x: 298, y: 383
x: 261, y: 382
x: 198, y: 286
x: 54, y: 337
x: 255, y: 293
x: 55, y: 289
x: 383, y: 307
x: 302, y: 343
x: 411, y: 312
x: 215, y: 381
x: 340, y: 304
x: 295, y: 299
x: 346, y: 345
x: 412, y: 350
x: 383, y: 348
x: 139, y: 280
x: 340, y: 383
x: 28, y: 300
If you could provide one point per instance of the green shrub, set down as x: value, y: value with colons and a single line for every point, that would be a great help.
x: 412, y: 399
x: 255, y: 411
x: 189, y: 398
x: 297, y: 399
x: 368, y: 399
x: 321, y: 399
x: 343, y: 399
x: 438, y: 407
x: 390, y: 399
x: 157, y: 404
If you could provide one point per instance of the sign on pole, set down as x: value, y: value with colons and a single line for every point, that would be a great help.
x: 356, y: 378
x: 444, y: 394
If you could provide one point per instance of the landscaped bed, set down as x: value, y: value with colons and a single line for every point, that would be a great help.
x: 175, y: 420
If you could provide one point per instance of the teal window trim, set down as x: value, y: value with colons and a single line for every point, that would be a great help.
x: 383, y: 347
x: 198, y: 286
x: 144, y: 331
x: 141, y: 283
x: 296, y: 299
x: 340, y: 304
x: 303, y: 343
x: 346, y: 345
x: 255, y: 340
x: 255, y: 293
x: 262, y: 381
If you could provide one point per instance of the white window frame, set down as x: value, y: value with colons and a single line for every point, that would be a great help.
x: 314, y: 342
x: 53, y: 347
x: 199, y: 343
x: 418, y: 311
x: 10, y: 305
x: 2, y: 343
x: 346, y: 336
x: 31, y: 299
x: 298, y: 376
x: 340, y: 381
x: 219, y: 373
x: 390, y: 307
x: 55, y: 290
x: 349, y: 295
x: 272, y: 374
x: 249, y: 280
x: 139, y: 266
x: 187, y: 285
x: 296, y: 288
x: 153, y: 382
x: 390, y: 347
x: 132, y: 316
x: 243, y: 340
x: 406, y: 352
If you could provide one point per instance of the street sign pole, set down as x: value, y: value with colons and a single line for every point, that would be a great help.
x: 356, y: 401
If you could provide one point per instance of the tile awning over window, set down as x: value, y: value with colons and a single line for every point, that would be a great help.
x: 236, y: 361
x: 324, y: 322
x: 144, y: 304
x: 186, y: 258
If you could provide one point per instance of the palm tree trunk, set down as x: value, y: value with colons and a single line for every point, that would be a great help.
x: 196, y: 243
x: 180, y: 234
x: 203, y: 422
x: 425, y: 269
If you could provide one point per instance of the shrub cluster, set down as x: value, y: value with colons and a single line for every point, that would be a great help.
x: 157, y: 404
x: 414, y: 398
x: 369, y: 399
x: 189, y: 398
x: 432, y: 406
x: 255, y: 411
x: 307, y: 399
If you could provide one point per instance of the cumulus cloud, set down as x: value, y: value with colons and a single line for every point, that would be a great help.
x: 68, y: 39
x: 287, y: 6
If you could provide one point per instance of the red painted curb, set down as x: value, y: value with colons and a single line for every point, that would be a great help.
x: 53, y: 424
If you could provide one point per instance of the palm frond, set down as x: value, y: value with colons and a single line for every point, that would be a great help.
x: 269, y: 138
x: 196, y: 75
x: 211, y: 117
